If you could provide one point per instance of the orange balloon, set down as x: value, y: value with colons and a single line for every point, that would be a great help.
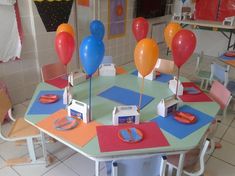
x: 146, y: 55
x: 170, y: 31
x: 64, y: 27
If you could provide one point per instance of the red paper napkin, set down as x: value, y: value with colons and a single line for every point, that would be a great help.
x: 201, y: 97
x: 109, y: 140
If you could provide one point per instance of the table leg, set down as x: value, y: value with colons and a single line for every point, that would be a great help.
x: 44, y: 151
x: 97, y: 168
x: 229, y: 41
x: 180, y: 165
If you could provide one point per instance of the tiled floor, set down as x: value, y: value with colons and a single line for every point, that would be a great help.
x: 68, y: 162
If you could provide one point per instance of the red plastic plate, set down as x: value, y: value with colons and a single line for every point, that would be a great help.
x: 185, y: 117
x: 48, y: 98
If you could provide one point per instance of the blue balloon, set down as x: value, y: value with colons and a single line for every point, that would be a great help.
x: 91, y: 53
x: 97, y: 29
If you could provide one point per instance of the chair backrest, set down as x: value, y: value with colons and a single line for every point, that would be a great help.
x: 51, y: 71
x: 219, y: 73
x: 165, y: 66
x: 220, y: 94
x: 199, y: 61
x: 5, y: 104
x: 107, y: 60
x: 148, y: 165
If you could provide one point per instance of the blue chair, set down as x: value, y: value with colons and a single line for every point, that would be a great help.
x: 150, y: 165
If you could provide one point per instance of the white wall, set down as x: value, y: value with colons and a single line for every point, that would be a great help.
x: 22, y: 76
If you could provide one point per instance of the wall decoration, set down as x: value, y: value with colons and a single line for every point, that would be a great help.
x: 11, y: 33
x: 83, y: 2
x: 53, y: 12
x: 117, y: 11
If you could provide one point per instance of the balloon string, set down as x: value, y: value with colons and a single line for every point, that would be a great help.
x: 177, y: 84
x: 141, y: 93
x: 90, y: 97
x: 67, y: 87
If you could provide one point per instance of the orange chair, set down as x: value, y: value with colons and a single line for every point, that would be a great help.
x: 192, y: 157
x: 20, y: 130
x: 165, y: 66
x: 51, y: 71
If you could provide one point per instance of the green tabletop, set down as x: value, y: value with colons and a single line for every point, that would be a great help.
x: 102, y: 112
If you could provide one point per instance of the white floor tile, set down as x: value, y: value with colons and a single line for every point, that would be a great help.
x: 61, y: 170
x: 60, y: 151
x: 7, y: 171
x: 226, y: 153
x: 220, y: 130
x: 215, y: 167
x: 230, y: 135
x: 2, y: 163
x: 227, y: 120
x: 82, y: 165
x: 233, y: 123
x: 9, y: 150
x: 34, y: 169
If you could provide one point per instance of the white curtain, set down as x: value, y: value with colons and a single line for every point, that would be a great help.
x: 10, y: 44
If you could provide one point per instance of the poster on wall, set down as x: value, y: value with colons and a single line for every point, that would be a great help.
x: 83, y: 2
x: 53, y: 12
x: 117, y: 11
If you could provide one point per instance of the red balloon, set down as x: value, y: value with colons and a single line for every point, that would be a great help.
x: 140, y: 28
x: 183, y: 46
x: 64, y: 45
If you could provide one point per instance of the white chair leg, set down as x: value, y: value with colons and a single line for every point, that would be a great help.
x: 31, y: 150
x: 169, y: 170
x: 181, y: 165
x: 97, y: 168
x: 114, y: 168
x: 202, y: 83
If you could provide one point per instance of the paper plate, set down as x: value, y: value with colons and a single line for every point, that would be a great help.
x: 230, y: 54
x: 185, y: 117
x: 191, y: 90
x: 48, y: 98
x: 65, y: 123
x: 130, y: 135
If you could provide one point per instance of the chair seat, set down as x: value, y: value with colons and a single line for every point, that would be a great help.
x: 203, y: 74
x: 21, y: 129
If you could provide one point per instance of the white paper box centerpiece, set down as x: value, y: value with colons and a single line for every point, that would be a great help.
x: 76, y: 77
x: 150, y: 76
x: 173, y: 85
x: 79, y: 109
x: 125, y: 115
x: 107, y: 70
x: 167, y: 105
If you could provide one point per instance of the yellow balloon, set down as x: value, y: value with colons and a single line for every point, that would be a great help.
x: 64, y: 27
x: 170, y: 31
x: 145, y: 56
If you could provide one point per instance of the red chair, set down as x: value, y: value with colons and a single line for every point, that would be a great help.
x: 52, y: 71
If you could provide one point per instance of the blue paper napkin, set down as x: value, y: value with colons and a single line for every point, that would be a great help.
x: 40, y: 108
x: 179, y: 129
x: 164, y: 78
x: 125, y: 96
x: 226, y: 58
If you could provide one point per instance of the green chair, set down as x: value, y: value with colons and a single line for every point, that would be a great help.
x: 203, y: 75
